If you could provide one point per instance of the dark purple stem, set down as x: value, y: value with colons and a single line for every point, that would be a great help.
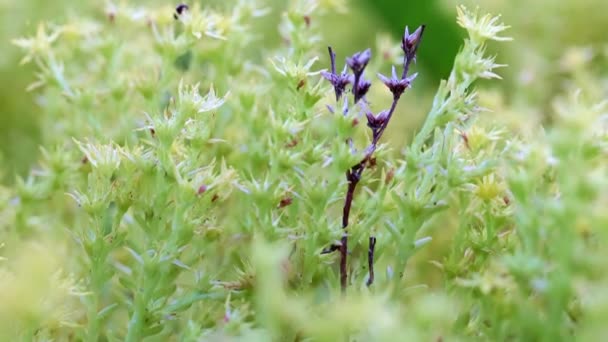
x: 370, y: 259
x: 332, y: 57
x: 353, y: 176
x: 356, y: 86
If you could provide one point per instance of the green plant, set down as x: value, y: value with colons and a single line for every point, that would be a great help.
x: 192, y: 184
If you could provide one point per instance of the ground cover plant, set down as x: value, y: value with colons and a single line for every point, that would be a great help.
x: 195, y: 184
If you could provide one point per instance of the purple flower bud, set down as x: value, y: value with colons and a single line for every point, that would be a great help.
x: 409, y: 42
x: 375, y: 122
x: 361, y: 88
x: 371, y: 120
x: 358, y: 61
x: 357, y: 64
x: 395, y: 84
x: 338, y: 81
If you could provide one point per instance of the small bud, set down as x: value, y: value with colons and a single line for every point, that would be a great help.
x: 202, y: 189
x: 383, y: 116
x: 409, y: 42
x: 375, y: 122
x: 361, y: 88
x: 357, y: 64
x: 371, y: 119
x: 358, y: 61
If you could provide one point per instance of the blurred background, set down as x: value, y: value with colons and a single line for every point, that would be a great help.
x: 544, y: 32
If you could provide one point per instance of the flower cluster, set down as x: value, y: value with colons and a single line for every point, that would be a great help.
x: 377, y: 123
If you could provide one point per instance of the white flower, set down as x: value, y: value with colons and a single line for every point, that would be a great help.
x: 191, y: 98
x: 481, y: 28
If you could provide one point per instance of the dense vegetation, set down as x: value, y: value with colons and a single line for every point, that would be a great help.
x: 197, y: 181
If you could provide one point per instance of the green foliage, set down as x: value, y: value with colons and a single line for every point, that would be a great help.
x: 190, y: 179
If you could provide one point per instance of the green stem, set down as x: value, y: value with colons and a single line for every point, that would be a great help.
x: 93, y: 323
x: 136, y: 322
x: 110, y: 219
